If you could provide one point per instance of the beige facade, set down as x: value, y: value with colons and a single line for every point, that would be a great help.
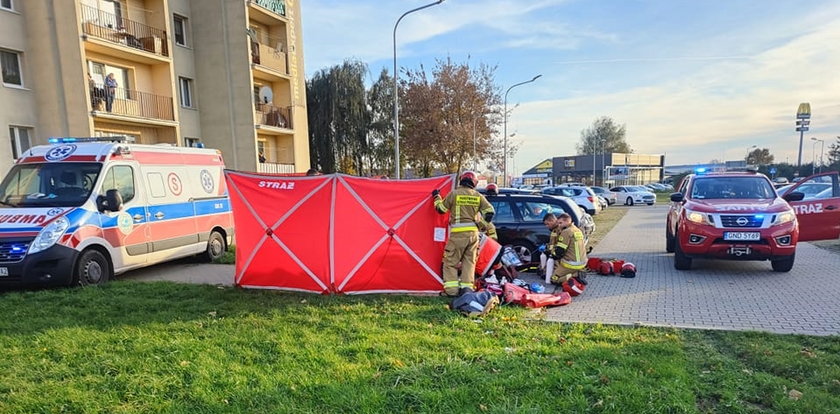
x: 226, y: 73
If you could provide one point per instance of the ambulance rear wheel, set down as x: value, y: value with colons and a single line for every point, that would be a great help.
x: 93, y: 268
x: 216, y: 246
x: 783, y: 265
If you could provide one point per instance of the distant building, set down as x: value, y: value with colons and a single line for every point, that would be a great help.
x: 227, y: 74
x: 609, y: 169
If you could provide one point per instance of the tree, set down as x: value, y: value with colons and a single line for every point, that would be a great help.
x: 834, y: 153
x: 338, y: 118
x: 380, y: 101
x: 759, y: 156
x: 604, y: 133
x: 440, y: 110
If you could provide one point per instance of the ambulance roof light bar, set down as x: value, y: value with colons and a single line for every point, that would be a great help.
x: 71, y: 140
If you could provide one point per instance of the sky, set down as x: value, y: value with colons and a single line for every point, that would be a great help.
x: 694, y: 80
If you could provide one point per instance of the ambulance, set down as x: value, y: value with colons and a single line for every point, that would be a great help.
x: 82, y: 210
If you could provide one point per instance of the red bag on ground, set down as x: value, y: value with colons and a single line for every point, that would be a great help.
x: 574, y: 286
x: 593, y: 263
x: 538, y: 300
x: 514, y: 294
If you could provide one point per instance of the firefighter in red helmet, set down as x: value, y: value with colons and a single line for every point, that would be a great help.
x: 466, y: 208
x: 492, y: 189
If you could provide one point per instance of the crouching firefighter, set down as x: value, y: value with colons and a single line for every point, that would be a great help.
x: 466, y: 207
x: 568, y: 248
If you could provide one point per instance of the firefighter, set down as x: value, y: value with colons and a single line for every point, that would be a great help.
x: 487, y: 227
x: 466, y: 207
x: 568, y: 247
x: 492, y: 189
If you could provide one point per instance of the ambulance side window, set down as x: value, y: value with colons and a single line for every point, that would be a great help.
x: 156, y: 188
x: 120, y: 177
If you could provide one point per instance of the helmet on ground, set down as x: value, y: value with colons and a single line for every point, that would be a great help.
x: 492, y: 189
x: 468, y: 179
x: 537, y: 288
x: 628, y: 270
x: 605, y: 268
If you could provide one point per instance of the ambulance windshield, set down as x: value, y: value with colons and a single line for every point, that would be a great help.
x: 49, y: 184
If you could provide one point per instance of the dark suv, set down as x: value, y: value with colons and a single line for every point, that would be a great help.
x: 519, y: 220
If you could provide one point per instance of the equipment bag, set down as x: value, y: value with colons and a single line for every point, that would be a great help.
x: 575, y: 286
x: 539, y: 300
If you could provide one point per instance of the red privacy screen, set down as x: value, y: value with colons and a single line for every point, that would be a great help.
x: 337, y: 233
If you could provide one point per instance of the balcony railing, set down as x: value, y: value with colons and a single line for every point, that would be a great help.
x: 274, y: 116
x: 275, y: 168
x: 132, y: 103
x: 275, y: 6
x: 115, y: 29
x: 272, y: 58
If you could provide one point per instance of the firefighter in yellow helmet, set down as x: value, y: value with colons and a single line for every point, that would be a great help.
x: 568, y: 247
x: 466, y: 207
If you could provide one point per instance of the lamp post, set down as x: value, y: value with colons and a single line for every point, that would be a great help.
x: 822, y: 147
x: 504, y: 162
x: 396, y: 91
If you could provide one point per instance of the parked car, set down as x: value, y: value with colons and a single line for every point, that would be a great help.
x: 511, y: 191
x: 519, y: 221
x: 810, y: 189
x: 739, y: 216
x: 610, y: 196
x: 659, y: 187
x: 583, y: 196
x: 602, y: 202
x: 632, y: 194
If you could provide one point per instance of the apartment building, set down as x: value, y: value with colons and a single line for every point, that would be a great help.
x: 225, y: 73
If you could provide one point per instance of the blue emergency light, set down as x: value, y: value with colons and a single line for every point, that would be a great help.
x: 700, y: 170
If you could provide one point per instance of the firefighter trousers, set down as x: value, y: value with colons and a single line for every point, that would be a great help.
x: 562, y: 273
x: 460, y: 248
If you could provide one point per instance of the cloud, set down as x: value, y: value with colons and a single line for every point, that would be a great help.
x: 335, y: 30
x: 716, y: 111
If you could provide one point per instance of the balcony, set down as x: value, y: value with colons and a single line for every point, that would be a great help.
x: 273, y: 116
x: 274, y: 6
x: 120, y: 31
x: 131, y: 103
x: 269, y: 58
x: 275, y: 168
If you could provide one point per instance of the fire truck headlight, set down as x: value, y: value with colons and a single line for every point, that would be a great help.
x: 49, y: 235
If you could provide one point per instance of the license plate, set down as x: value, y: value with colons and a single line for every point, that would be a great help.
x: 742, y: 235
x: 4, y: 271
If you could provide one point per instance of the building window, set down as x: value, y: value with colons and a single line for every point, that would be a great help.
x: 180, y: 27
x: 185, y: 86
x: 20, y: 140
x: 6, y: 5
x: 10, y: 63
x: 192, y: 142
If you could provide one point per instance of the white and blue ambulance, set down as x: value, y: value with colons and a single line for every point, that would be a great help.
x: 82, y: 210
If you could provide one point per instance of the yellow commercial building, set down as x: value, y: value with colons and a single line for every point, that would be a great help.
x: 225, y: 73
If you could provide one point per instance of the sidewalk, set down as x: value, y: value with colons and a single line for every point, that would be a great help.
x: 724, y: 295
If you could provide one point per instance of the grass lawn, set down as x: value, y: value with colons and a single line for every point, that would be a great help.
x: 162, y: 347
x: 605, y: 221
x: 663, y: 198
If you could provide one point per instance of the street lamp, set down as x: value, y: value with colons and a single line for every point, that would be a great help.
x: 396, y: 91
x: 822, y: 147
x: 504, y: 162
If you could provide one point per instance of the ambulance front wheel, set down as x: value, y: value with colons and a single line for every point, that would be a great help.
x: 93, y: 268
x: 216, y: 246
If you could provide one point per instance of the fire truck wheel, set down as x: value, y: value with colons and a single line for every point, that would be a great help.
x: 783, y: 265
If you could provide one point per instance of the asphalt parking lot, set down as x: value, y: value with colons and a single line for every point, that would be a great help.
x: 724, y: 295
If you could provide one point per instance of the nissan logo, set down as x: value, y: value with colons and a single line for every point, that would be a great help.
x: 742, y: 221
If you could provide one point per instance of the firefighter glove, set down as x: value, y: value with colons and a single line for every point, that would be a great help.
x: 435, y: 192
x: 488, y: 216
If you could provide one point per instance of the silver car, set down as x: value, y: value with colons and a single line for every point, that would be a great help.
x: 583, y: 196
